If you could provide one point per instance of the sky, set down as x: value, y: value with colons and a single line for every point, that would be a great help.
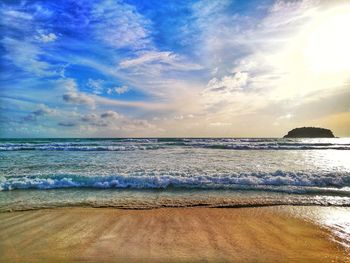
x: 185, y: 68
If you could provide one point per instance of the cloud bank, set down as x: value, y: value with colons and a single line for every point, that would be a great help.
x: 194, y: 68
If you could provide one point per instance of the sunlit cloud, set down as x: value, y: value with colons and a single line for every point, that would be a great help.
x: 200, y: 68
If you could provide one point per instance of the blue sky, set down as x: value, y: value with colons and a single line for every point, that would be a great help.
x: 170, y: 68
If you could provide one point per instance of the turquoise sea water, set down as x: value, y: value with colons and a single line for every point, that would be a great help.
x: 147, y: 173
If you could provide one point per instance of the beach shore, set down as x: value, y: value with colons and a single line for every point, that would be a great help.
x: 265, y: 234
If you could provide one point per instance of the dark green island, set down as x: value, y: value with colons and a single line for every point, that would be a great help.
x: 310, y: 132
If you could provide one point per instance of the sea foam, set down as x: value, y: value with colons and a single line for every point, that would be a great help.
x: 151, y: 144
x: 259, y: 180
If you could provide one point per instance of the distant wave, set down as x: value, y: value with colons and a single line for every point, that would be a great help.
x: 293, y: 182
x: 152, y: 144
x: 279, y: 147
x: 76, y: 147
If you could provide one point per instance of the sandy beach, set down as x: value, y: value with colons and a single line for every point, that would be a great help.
x: 265, y: 234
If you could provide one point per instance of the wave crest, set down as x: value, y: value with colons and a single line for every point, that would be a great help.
x: 150, y: 144
x: 261, y: 181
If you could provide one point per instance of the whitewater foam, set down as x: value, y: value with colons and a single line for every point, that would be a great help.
x: 309, y: 167
x: 260, y: 180
x: 151, y: 144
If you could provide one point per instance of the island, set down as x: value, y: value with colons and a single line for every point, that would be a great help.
x: 310, y: 132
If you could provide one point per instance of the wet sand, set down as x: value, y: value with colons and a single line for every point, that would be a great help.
x: 265, y: 234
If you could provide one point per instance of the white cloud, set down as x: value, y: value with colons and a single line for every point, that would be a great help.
x: 244, y: 65
x: 73, y: 95
x: 287, y: 116
x: 134, y: 104
x: 136, y: 125
x: 109, y: 122
x: 95, y: 85
x: 179, y: 117
x: 26, y: 56
x: 266, y: 57
x: 51, y: 37
x: 121, y: 90
x: 120, y: 25
x: 17, y: 15
x: 163, y: 60
x: 220, y: 124
x: 20, y: 47
x: 68, y: 85
x: 230, y: 83
x: 147, y: 57
x: 12, y: 18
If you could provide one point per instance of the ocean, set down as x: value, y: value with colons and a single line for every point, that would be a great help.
x: 173, y: 172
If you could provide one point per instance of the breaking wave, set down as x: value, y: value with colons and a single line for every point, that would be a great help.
x: 276, y: 181
x: 77, y: 148
x: 151, y: 144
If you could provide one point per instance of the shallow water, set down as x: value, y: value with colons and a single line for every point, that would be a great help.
x: 146, y: 173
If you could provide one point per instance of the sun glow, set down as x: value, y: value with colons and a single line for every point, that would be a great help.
x: 328, y: 43
x: 316, y: 58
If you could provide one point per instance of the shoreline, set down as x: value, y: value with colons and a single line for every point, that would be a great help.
x: 171, y: 206
x: 76, y: 234
x: 139, y: 199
